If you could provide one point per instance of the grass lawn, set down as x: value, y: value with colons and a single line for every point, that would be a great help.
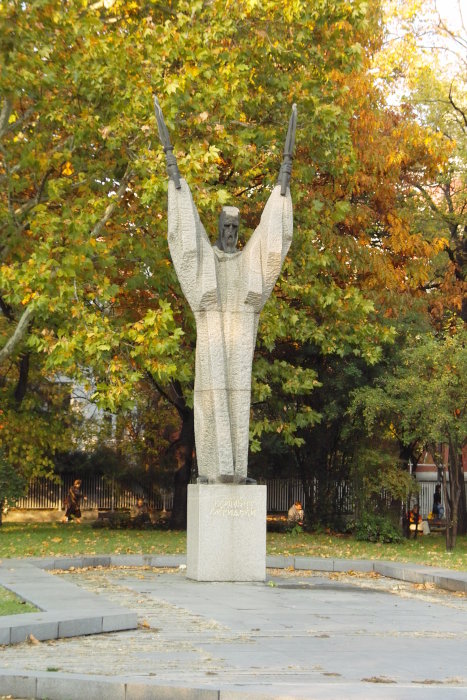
x: 429, y: 550
x: 55, y: 539
x: 10, y: 604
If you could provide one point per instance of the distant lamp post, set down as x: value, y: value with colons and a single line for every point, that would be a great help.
x: 410, y: 467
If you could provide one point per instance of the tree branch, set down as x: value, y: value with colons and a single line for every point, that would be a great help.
x: 457, y: 108
x: 20, y: 119
x: 176, y: 400
x: 18, y: 335
x: 433, y: 206
x: 158, y: 387
x: 5, y: 115
x: 27, y: 206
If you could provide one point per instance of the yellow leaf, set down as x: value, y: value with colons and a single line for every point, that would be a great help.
x: 67, y: 169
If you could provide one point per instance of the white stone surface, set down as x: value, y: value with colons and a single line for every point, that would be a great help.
x: 226, y: 292
x: 226, y: 533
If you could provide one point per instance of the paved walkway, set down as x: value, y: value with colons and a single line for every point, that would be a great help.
x: 310, y: 631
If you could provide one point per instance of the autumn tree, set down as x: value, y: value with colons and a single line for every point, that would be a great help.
x: 423, y: 63
x: 63, y: 177
x: 88, y: 276
x: 86, y: 284
x: 370, y: 264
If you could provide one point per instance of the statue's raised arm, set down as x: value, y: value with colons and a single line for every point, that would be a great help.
x: 189, y: 245
x: 286, y: 167
x: 172, y: 167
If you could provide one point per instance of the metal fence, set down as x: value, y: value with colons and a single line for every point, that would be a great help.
x: 102, y: 493
x: 282, y: 493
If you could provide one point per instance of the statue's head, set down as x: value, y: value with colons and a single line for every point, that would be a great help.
x: 229, y: 221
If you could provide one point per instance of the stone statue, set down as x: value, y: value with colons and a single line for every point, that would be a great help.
x: 226, y: 289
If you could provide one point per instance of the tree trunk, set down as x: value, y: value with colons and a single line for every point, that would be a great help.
x: 22, y: 384
x: 462, y: 525
x: 455, y: 463
x: 447, y: 515
x: 183, y: 449
x: 452, y: 497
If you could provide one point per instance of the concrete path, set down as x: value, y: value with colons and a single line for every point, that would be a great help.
x: 63, y: 612
x: 302, y: 634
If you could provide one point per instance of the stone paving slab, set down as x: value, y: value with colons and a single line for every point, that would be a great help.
x: 79, y: 562
x: 287, y: 617
x: 41, y: 629
x: 414, y: 573
x: 277, y: 561
x: 65, y: 610
x: 354, y: 565
x: 55, y: 686
x: 28, y: 579
x: 311, y: 564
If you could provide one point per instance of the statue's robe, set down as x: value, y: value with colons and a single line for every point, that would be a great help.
x: 226, y: 292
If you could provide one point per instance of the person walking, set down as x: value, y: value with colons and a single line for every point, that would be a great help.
x: 73, y: 503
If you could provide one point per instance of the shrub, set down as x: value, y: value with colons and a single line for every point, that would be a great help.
x: 295, y: 530
x: 376, y: 528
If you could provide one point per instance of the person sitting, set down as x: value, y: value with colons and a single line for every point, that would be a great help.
x: 416, y: 523
x: 295, y: 515
x: 139, y: 513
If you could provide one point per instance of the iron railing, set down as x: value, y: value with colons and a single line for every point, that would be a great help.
x: 103, y: 493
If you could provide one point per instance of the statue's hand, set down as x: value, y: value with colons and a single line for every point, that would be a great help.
x: 172, y: 167
x: 285, y: 174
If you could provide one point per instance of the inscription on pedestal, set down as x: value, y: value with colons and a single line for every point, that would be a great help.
x: 234, y: 508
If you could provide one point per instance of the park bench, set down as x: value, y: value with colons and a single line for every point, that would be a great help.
x: 437, y: 524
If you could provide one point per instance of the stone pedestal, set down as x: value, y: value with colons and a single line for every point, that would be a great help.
x: 226, y: 532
